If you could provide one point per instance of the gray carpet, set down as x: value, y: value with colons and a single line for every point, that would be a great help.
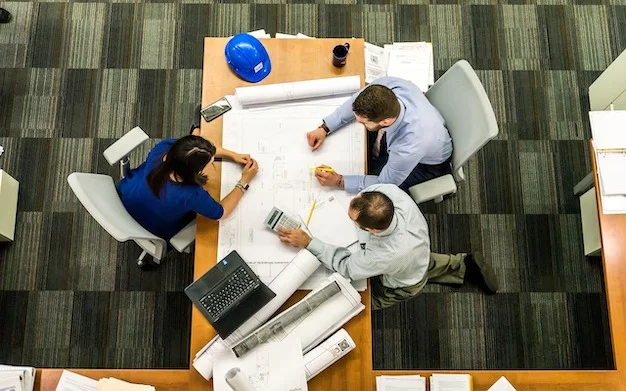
x: 76, y: 75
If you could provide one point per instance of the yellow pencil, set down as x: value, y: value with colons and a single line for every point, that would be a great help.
x: 308, y: 220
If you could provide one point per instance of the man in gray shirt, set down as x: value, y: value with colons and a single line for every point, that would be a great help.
x: 395, y: 249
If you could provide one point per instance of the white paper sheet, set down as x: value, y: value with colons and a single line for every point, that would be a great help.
x: 271, y: 93
x: 327, y: 353
x: 113, y: 384
x: 450, y: 382
x: 330, y: 222
x: 375, y: 62
x: 612, y: 172
x: 27, y: 374
x: 412, y: 61
x: 612, y: 204
x: 11, y: 382
x: 285, y: 36
x: 300, y: 35
x: 269, y: 367
x: 71, y: 381
x: 276, y: 137
x: 502, y: 385
x: 608, y: 129
x: 401, y: 383
x: 387, y: 48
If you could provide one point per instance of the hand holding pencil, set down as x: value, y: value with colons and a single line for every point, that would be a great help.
x: 327, y: 176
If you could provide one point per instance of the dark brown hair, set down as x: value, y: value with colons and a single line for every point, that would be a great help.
x: 375, y: 210
x: 376, y: 103
x: 186, y: 159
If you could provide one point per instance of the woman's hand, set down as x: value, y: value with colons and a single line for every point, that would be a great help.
x: 241, y: 158
x: 249, y: 171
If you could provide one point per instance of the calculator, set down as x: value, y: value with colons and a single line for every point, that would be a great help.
x: 278, y: 219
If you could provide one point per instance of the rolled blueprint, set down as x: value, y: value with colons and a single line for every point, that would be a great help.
x: 277, y: 325
x: 327, y: 353
x: 281, y: 92
x: 284, y: 285
x: 312, y: 328
x: 238, y: 381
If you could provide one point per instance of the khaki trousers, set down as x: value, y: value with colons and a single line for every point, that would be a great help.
x: 442, y: 269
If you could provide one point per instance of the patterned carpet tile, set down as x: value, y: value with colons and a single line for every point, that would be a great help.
x: 75, y: 76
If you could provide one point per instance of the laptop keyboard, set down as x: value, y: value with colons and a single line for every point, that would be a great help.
x: 235, y: 287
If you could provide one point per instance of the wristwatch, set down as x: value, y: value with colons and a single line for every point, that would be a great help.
x: 242, y: 186
x: 323, y: 126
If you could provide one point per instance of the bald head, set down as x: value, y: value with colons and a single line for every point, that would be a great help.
x: 372, y: 209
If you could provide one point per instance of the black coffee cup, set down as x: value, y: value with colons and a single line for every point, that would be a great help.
x: 340, y: 54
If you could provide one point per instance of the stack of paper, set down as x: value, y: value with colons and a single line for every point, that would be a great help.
x: 71, y: 381
x: 401, y: 383
x: 112, y: 384
x: 447, y: 382
x: 502, y: 385
x: 608, y: 129
x: 412, y: 61
x: 16, y: 378
x: 257, y: 34
x: 290, y: 36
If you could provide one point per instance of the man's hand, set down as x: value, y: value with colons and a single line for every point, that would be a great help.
x: 241, y: 158
x: 294, y: 237
x: 315, y: 138
x: 326, y: 178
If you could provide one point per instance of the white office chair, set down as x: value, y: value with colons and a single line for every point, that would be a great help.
x: 585, y: 190
x: 99, y: 196
x: 462, y: 101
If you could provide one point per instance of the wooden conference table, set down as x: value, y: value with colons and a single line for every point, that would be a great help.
x: 304, y: 59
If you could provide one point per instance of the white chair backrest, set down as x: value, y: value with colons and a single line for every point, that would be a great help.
x: 462, y: 101
x: 99, y: 196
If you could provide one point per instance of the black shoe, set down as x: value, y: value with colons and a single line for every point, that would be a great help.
x: 5, y: 16
x: 481, y: 272
x: 196, y: 118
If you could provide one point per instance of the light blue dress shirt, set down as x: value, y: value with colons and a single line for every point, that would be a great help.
x: 419, y: 135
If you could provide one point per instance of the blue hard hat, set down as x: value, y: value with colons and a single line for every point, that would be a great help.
x: 247, y: 57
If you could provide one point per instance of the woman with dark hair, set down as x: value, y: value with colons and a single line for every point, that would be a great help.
x: 166, y: 191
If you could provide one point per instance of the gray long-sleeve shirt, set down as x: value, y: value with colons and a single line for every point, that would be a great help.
x: 400, y: 254
x: 419, y: 135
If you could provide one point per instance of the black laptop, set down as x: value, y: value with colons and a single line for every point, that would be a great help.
x: 229, y: 294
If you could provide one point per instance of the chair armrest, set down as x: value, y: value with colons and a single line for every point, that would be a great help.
x: 585, y: 184
x: 127, y: 143
x: 433, y: 188
x: 184, y: 237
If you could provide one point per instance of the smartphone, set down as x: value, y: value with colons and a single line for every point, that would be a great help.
x: 215, y: 109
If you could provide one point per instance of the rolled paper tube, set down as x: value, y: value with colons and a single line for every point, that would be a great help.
x: 238, y: 381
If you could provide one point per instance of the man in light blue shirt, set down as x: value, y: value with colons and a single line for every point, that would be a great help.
x: 408, y: 141
x: 395, y: 249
